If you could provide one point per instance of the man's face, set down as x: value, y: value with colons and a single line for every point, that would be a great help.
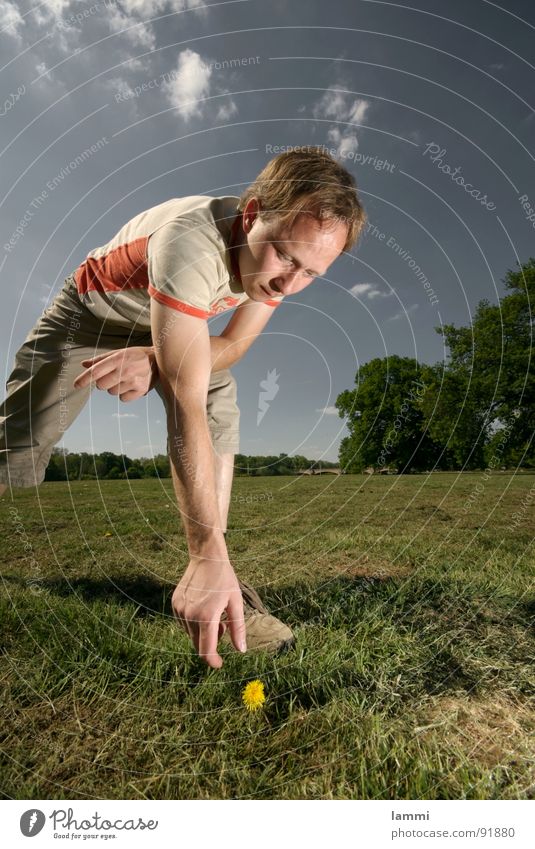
x: 279, y: 260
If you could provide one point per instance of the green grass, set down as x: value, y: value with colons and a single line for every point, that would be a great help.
x: 413, y: 675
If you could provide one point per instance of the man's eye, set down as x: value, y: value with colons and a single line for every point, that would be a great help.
x: 282, y: 256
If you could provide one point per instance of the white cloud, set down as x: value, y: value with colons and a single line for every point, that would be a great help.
x: 332, y: 104
x: 190, y: 84
x: 144, y: 11
x: 54, y: 7
x: 348, y: 145
x: 121, y: 88
x: 151, y: 8
x: 334, y: 135
x: 358, y: 111
x: 49, y: 10
x: 360, y: 288
x: 124, y: 416
x: 338, y: 105
x: 141, y: 35
x: 369, y: 290
x: 11, y: 18
x: 228, y: 110
x: 403, y: 313
x: 328, y: 411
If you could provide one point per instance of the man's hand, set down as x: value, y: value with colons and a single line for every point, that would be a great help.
x: 208, y: 588
x: 129, y: 373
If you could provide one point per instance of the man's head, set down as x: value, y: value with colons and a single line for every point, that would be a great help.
x: 298, y: 216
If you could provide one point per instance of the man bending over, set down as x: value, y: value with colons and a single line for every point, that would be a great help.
x: 137, y: 308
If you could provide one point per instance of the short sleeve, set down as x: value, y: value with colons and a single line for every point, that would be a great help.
x: 274, y: 302
x: 183, y: 267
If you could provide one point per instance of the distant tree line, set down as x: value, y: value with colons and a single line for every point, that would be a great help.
x: 474, y: 411
x: 67, y: 465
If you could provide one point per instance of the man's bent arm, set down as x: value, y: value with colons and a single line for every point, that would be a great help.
x: 224, y: 353
x: 245, y: 325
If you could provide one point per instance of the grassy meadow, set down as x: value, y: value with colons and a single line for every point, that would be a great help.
x: 412, y: 599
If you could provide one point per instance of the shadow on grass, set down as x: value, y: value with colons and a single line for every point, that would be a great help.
x: 151, y: 596
x: 407, y: 603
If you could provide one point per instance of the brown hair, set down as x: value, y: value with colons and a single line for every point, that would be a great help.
x: 308, y: 180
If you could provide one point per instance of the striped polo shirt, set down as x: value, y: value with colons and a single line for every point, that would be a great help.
x: 177, y: 253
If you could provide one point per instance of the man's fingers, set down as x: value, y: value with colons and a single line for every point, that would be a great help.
x: 91, y: 361
x: 236, y: 623
x: 208, y: 637
x: 94, y: 373
x: 188, y: 629
x: 130, y: 394
x: 109, y: 380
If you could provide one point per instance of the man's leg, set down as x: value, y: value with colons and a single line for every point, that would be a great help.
x: 41, y: 401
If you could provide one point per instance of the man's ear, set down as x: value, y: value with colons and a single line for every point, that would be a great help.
x: 250, y: 213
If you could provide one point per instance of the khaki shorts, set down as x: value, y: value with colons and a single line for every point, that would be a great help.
x: 41, y: 402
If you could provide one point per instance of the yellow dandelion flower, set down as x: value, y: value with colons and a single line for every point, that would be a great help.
x: 253, y: 695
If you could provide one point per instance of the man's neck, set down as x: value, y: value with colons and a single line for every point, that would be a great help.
x: 237, y: 238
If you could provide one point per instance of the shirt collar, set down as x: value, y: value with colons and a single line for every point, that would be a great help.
x: 233, y: 258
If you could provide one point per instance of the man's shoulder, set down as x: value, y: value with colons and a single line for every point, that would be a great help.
x: 199, y: 208
x: 204, y: 216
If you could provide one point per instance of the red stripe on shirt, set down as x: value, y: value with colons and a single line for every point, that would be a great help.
x: 124, y: 267
x: 175, y: 304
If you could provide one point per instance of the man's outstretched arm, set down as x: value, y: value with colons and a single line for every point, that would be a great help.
x: 209, y: 585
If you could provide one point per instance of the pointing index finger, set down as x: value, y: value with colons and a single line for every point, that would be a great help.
x: 208, y: 634
x: 94, y: 373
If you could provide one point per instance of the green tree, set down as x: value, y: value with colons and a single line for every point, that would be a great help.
x: 492, y: 366
x: 384, y: 417
x: 454, y: 418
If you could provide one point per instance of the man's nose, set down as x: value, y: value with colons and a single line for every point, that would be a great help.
x: 286, y: 282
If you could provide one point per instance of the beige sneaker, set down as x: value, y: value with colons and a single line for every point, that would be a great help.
x: 264, y: 631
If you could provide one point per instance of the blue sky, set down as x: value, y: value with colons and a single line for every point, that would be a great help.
x: 186, y: 97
